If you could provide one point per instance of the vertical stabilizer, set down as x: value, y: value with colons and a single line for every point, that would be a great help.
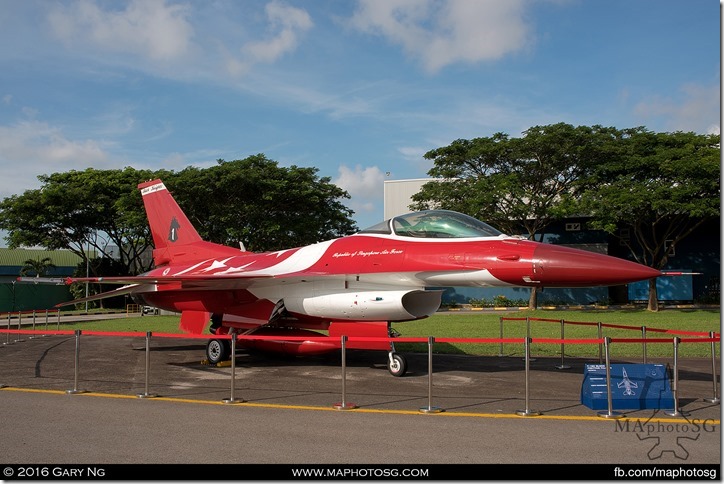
x: 174, y: 237
x: 169, y: 225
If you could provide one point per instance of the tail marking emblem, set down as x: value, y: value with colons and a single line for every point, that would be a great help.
x: 173, y: 230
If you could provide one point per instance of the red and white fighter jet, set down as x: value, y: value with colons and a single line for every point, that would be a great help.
x: 355, y: 285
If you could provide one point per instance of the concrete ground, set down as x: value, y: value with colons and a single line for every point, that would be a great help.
x: 112, y: 408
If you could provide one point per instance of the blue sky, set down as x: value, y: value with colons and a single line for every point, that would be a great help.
x: 358, y: 89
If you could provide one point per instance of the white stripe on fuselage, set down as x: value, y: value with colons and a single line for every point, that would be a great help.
x: 302, y: 259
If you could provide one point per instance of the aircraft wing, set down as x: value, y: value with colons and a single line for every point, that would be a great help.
x: 186, y: 281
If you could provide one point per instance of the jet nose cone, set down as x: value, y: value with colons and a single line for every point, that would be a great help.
x: 557, y: 266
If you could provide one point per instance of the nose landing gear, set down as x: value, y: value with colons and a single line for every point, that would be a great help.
x: 396, y: 364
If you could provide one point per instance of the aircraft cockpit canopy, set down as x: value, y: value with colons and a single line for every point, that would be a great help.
x: 434, y: 224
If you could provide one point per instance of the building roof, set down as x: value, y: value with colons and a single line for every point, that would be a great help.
x: 12, y: 260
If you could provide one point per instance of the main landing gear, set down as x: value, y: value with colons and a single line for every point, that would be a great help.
x: 218, y: 350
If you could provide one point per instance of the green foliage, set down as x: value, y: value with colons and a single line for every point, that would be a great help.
x: 661, y: 186
x: 252, y: 201
x: 497, y: 302
x: 658, y: 186
x: 37, y: 267
x: 262, y: 205
x: 80, y: 210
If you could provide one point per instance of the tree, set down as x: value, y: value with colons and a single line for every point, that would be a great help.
x: 83, y: 211
x: 99, y: 214
x: 262, y: 205
x: 658, y: 188
x: 515, y: 183
x: 37, y: 267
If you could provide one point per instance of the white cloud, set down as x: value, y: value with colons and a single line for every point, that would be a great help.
x: 288, y: 23
x: 698, y: 110
x: 31, y: 148
x: 439, y: 33
x: 365, y: 186
x: 147, y: 28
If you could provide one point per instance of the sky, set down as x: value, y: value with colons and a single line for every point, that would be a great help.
x: 358, y: 89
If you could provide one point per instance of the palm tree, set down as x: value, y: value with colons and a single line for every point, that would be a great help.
x: 38, y: 267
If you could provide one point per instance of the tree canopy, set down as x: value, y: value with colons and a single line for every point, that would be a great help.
x: 253, y: 202
x: 657, y: 186
x: 655, y: 193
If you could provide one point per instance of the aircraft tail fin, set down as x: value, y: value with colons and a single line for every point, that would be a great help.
x: 174, y: 236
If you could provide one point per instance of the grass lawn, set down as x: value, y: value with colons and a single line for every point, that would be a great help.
x: 578, y: 325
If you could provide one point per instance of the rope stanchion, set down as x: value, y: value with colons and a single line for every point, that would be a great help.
x: 643, y: 345
x: 75, y: 389
x: 527, y: 412
x: 675, y: 385
x: 344, y: 405
x: 232, y: 399
x: 600, y: 349
x: 20, y: 321
x: 57, y: 324
x: 527, y: 335
x: 500, y: 351
x: 7, y: 334
x: 609, y: 413
x: 32, y: 336
x: 563, y: 366
x: 430, y: 408
x: 714, y: 398
x: 145, y: 394
x: 46, y: 322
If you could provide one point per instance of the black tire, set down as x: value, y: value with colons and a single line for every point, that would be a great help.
x: 217, y: 350
x: 397, y: 365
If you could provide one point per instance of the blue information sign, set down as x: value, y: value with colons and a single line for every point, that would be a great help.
x: 633, y: 387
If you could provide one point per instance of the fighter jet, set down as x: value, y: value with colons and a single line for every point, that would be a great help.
x: 351, y: 286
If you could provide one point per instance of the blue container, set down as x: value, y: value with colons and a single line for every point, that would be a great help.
x: 633, y: 387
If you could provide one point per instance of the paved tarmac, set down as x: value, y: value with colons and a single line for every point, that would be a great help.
x: 114, y: 409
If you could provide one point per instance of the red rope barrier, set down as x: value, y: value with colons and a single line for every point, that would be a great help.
x: 323, y: 338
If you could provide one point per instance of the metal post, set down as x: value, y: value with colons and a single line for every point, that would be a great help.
x: 500, y: 351
x: 713, y: 399
x: 32, y: 336
x: 77, y: 364
x: 7, y: 334
x: 430, y: 408
x: 643, y: 336
x: 527, y: 412
x: 609, y: 413
x: 527, y: 333
x: 57, y: 326
x: 231, y: 399
x: 20, y: 321
x: 145, y: 394
x: 563, y: 366
x: 344, y: 405
x: 46, y: 322
x: 600, y: 335
x: 675, y: 382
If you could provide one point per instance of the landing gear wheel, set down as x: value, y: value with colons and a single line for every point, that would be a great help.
x: 217, y: 350
x: 397, y: 364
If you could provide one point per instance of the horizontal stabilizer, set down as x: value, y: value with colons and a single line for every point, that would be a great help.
x: 121, y: 291
x: 58, y: 281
